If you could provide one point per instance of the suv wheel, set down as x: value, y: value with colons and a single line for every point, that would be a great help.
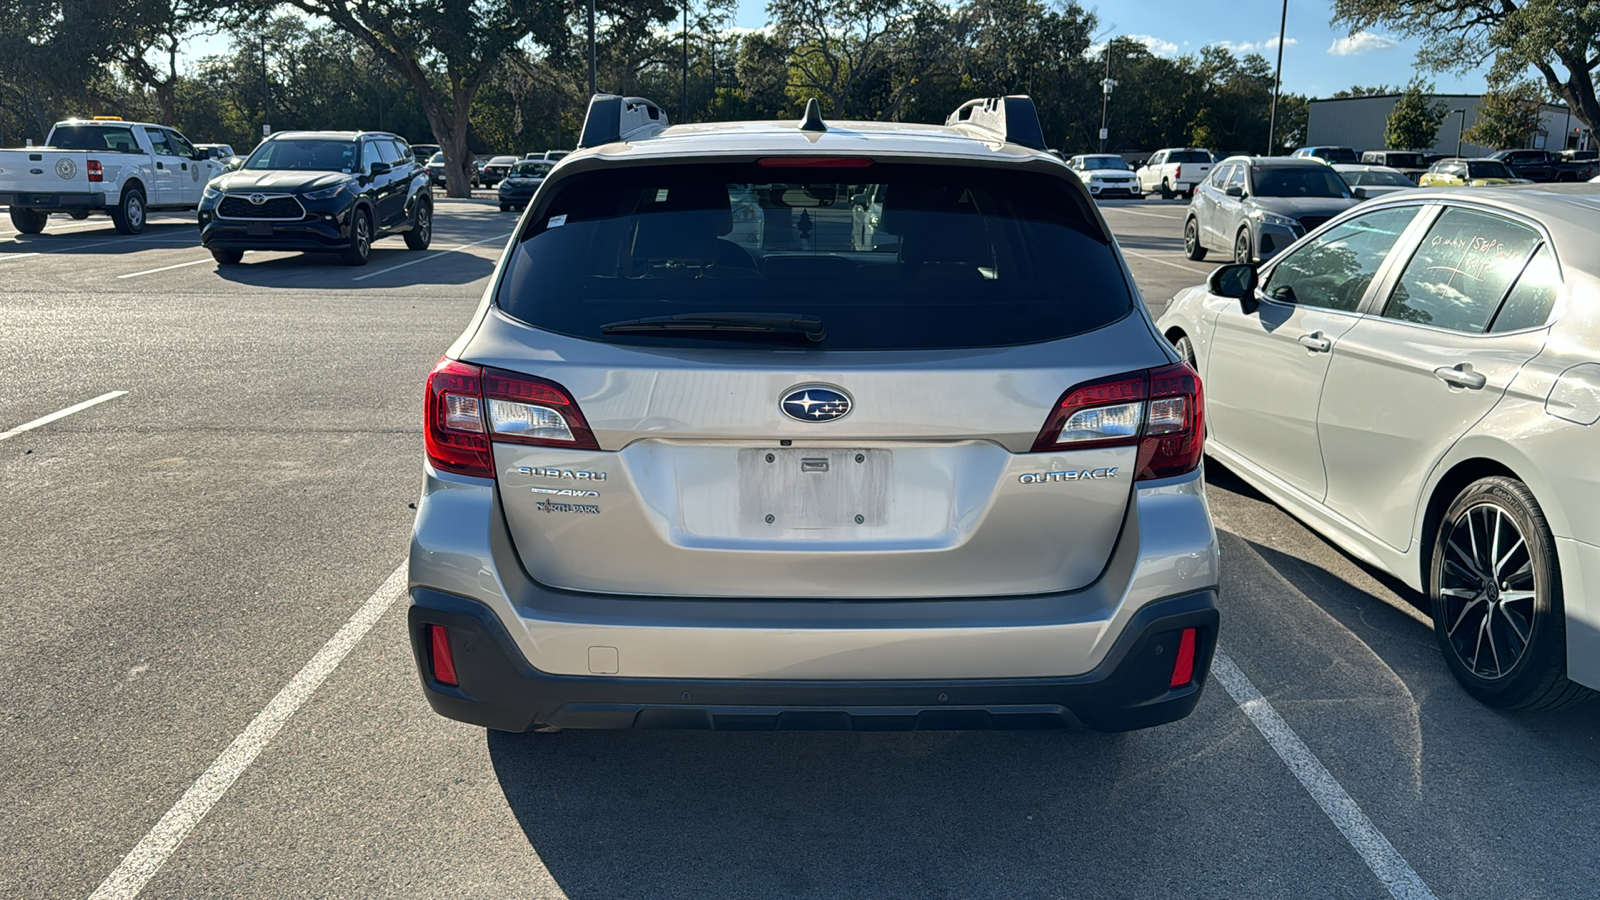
x: 1242, y: 252
x: 360, y: 240
x: 128, y: 215
x: 421, y: 233
x: 1495, y: 586
x: 1192, y: 247
x: 29, y: 221
x: 227, y: 257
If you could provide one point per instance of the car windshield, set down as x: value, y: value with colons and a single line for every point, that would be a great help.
x: 1188, y: 156
x: 94, y: 137
x: 953, y: 256
x: 530, y: 170
x: 502, y: 160
x: 1377, y: 179
x: 1404, y: 160
x: 312, y: 154
x: 1297, y: 181
x: 436, y: 158
x: 1488, y: 168
x: 1336, y: 154
x: 1104, y: 162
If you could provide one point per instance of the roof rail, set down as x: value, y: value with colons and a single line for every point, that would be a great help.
x: 1013, y: 119
x: 612, y: 118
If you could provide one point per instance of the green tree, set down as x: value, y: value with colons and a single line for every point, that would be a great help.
x: 1414, y: 122
x: 1558, y: 38
x: 1508, y: 117
x: 445, y: 50
x: 1376, y: 90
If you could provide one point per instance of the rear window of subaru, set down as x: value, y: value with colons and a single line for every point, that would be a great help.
x: 888, y: 256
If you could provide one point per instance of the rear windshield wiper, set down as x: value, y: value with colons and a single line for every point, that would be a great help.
x: 783, y: 324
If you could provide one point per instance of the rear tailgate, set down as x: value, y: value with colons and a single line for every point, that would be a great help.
x: 37, y: 174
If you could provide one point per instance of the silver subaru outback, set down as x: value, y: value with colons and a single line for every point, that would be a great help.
x: 710, y: 455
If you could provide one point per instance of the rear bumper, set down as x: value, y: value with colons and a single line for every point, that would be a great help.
x: 499, y: 689
x: 53, y: 201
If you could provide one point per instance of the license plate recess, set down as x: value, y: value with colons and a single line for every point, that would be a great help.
x: 812, y: 488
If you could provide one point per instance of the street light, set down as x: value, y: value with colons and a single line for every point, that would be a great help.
x: 1277, y: 82
x: 1460, y: 128
x: 1106, y: 85
x: 592, y: 90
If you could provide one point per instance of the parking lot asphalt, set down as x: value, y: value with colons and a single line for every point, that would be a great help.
x: 228, y: 525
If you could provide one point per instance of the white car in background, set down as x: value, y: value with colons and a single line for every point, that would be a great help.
x: 1106, y: 175
x: 1367, y: 182
x: 1175, y: 170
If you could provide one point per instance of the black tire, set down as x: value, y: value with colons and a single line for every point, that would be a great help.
x: 1185, y: 348
x: 1531, y: 630
x: 1192, y: 247
x: 1242, y: 251
x: 79, y: 214
x: 128, y: 215
x: 29, y: 221
x: 227, y: 257
x: 1166, y: 189
x: 421, y: 233
x: 505, y: 207
x: 360, y: 248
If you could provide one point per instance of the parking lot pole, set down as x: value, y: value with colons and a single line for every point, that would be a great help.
x: 592, y: 90
x: 1277, y: 82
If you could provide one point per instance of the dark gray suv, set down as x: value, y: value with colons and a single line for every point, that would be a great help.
x: 1254, y: 206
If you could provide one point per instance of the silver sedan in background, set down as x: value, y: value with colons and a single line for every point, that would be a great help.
x: 1419, y: 381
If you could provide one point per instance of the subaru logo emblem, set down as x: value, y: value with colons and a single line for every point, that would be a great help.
x: 815, y: 403
x: 258, y: 199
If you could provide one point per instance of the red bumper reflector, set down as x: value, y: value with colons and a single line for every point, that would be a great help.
x: 1183, y: 667
x: 444, y: 665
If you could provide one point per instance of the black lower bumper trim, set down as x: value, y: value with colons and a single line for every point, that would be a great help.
x: 48, y: 201
x: 499, y: 689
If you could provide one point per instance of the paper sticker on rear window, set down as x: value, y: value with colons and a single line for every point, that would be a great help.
x: 556, y: 221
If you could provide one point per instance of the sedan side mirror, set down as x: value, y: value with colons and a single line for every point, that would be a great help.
x: 381, y: 168
x: 1360, y: 192
x: 1237, y: 281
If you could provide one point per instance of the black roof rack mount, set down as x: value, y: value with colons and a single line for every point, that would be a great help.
x: 1013, y: 119
x: 612, y: 118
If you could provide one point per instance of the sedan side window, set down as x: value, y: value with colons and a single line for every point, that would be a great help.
x: 1533, y: 296
x: 1334, y: 270
x: 1461, y: 271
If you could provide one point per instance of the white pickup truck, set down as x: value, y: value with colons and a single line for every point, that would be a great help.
x: 103, y: 165
x: 1175, y: 170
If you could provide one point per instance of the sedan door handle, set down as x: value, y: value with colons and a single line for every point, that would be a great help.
x: 1461, y: 376
x: 1315, y: 342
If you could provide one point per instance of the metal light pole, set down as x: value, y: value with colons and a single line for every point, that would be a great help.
x: 592, y: 90
x: 1105, y: 98
x: 684, y: 100
x: 1461, y: 128
x: 1277, y: 82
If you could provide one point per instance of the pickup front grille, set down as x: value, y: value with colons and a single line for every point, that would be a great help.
x: 279, y: 208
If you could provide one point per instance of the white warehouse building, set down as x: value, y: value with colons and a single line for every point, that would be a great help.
x: 1359, y: 122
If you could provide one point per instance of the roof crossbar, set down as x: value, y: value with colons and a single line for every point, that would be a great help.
x: 1013, y: 119
x: 612, y: 118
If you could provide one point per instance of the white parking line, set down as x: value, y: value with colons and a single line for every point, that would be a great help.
x: 1375, y: 850
x: 498, y: 237
x: 194, y: 262
x: 60, y: 414
x: 10, y: 256
x: 1165, y: 262
x: 1136, y: 212
x: 146, y: 859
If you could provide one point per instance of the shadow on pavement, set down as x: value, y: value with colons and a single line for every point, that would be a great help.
x: 97, y: 241
x: 324, y: 270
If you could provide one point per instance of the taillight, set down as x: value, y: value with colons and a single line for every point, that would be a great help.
x: 1159, y: 410
x: 96, y: 171
x: 468, y: 406
x: 1183, y: 666
x: 1178, y: 172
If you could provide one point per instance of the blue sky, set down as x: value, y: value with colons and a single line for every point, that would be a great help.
x: 1317, y: 58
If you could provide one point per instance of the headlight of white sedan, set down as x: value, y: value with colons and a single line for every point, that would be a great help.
x: 1271, y: 218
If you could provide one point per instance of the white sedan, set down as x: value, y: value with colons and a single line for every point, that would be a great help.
x: 1417, y: 380
x: 1368, y: 182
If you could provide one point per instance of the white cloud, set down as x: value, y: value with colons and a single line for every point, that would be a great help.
x: 1362, y: 42
x: 1242, y: 47
x: 1156, y: 45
